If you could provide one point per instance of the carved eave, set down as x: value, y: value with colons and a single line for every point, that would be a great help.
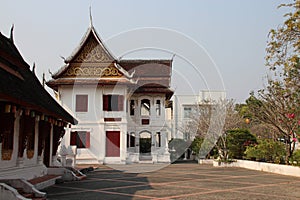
x: 55, y: 83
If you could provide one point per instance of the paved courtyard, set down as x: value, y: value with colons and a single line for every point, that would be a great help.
x: 178, y: 181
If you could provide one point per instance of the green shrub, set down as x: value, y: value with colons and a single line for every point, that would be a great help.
x: 267, y: 150
x: 237, y: 142
x: 196, y: 145
x: 295, y: 158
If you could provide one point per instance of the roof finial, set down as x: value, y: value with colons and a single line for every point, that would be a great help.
x: 173, y: 56
x: 44, y: 80
x: 12, y: 33
x: 33, y: 68
x: 91, y: 18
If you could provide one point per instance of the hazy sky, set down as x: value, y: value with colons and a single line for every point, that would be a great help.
x: 218, y: 44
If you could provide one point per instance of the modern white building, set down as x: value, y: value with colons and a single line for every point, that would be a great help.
x: 185, y: 105
x: 120, y: 104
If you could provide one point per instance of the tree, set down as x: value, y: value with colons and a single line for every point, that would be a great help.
x: 212, y: 121
x: 237, y: 142
x: 278, y: 104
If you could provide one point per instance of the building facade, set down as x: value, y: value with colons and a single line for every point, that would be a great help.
x: 120, y: 104
x: 184, y: 106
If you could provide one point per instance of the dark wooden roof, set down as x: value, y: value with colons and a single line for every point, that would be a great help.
x: 20, y: 86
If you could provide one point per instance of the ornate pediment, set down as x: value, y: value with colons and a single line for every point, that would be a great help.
x: 92, y: 52
x: 92, y: 71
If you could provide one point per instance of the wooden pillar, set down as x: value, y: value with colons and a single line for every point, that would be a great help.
x: 44, y: 132
x: 26, y: 136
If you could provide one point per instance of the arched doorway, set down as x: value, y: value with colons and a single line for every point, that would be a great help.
x: 145, y: 143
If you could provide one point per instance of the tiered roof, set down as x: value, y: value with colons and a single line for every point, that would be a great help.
x: 92, y: 63
x: 20, y: 86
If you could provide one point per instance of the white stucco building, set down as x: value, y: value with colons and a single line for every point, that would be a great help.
x: 120, y: 104
x: 185, y: 105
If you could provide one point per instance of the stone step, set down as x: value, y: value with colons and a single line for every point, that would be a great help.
x: 146, y: 162
x: 145, y: 157
x: 29, y: 195
x: 44, y: 181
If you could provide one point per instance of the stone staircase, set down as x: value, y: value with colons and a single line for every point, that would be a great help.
x: 20, y: 189
x: 145, y: 159
x: 27, y: 195
x: 44, y: 181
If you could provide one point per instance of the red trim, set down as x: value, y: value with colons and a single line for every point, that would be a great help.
x: 112, y: 119
x: 145, y: 121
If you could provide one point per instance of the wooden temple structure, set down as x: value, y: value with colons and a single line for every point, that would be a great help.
x: 32, y: 123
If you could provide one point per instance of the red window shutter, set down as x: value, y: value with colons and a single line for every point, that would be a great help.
x: 105, y: 102
x: 73, y: 138
x: 81, y: 103
x: 112, y: 143
x: 120, y: 103
x: 87, y: 140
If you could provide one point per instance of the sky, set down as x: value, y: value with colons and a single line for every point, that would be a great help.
x: 215, y: 44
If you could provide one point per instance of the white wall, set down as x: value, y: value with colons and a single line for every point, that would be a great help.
x: 181, y: 101
x: 93, y: 120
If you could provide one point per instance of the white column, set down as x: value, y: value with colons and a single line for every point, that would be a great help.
x: 51, y: 145
x: 36, y: 139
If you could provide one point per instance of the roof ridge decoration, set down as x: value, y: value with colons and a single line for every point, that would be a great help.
x: 121, y: 69
x: 91, y: 18
x: 92, y: 59
x: 12, y: 33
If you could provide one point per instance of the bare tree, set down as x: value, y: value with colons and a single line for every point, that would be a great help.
x: 211, y: 121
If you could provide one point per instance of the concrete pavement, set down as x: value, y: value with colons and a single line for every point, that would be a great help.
x: 178, y: 181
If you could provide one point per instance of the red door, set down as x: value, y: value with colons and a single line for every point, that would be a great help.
x: 112, y: 143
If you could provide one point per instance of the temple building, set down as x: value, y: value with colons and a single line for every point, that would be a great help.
x: 120, y: 104
x: 32, y: 122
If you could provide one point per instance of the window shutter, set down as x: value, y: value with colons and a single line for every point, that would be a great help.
x: 73, y: 138
x: 105, y: 102
x: 120, y: 103
x: 87, y: 140
x: 81, y: 103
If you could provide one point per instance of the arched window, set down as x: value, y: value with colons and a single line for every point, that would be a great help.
x: 145, y: 107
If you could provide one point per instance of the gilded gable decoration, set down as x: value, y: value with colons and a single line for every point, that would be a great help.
x: 95, y: 71
x: 92, y: 52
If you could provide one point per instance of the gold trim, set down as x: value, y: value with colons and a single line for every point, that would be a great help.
x: 92, y: 52
x: 7, y: 154
x: 85, y: 71
x: 30, y: 153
